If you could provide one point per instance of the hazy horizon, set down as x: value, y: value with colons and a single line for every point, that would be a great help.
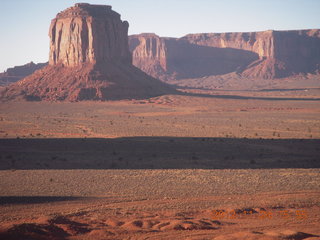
x: 25, y: 24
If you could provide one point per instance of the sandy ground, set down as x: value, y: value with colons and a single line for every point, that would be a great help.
x: 176, y: 116
x: 172, y: 167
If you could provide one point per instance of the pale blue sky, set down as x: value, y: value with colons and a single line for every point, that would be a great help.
x: 24, y: 24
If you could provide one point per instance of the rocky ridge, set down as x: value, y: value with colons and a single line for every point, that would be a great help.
x: 16, y: 73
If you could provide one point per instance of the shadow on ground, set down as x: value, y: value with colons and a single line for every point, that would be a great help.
x: 35, y: 199
x: 239, y: 97
x: 159, y: 153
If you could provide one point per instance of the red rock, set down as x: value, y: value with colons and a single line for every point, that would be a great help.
x: 88, y: 34
x: 269, y: 54
x: 89, y: 60
x: 18, y: 72
x: 149, y: 53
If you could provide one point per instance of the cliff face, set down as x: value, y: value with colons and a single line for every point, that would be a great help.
x: 259, y: 42
x: 149, y: 53
x: 297, y: 52
x: 88, y: 34
x: 89, y: 60
x: 269, y: 54
x: 170, y: 58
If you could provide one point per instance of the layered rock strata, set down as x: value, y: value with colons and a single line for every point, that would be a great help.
x: 268, y: 54
x: 89, y: 60
x: 88, y: 34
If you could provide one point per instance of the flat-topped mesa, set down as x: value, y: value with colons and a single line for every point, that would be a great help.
x: 88, y: 33
x: 267, y: 54
x: 86, y: 9
x: 89, y: 60
x: 259, y: 42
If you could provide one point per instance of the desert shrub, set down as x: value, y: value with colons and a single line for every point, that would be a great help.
x: 32, y: 98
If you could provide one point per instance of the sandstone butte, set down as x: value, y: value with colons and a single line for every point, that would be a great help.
x: 265, y: 55
x: 89, y: 60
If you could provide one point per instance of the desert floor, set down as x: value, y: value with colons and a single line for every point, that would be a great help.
x: 200, y: 165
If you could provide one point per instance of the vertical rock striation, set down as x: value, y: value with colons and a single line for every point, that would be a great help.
x: 89, y: 60
x: 268, y: 54
x: 88, y: 34
x: 149, y: 53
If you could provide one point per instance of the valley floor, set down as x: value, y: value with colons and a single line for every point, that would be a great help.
x: 226, y: 166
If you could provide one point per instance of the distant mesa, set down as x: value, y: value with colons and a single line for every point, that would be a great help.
x: 265, y: 55
x: 89, y: 60
x: 16, y: 73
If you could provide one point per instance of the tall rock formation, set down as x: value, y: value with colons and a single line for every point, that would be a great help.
x: 149, y: 53
x: 89, y: 60
x: 88, y: 34
x: 268, y: 54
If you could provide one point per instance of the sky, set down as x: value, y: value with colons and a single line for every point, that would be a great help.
x: 24, y: 24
